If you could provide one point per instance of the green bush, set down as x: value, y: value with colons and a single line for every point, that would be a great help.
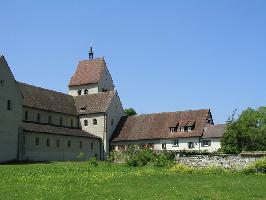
x: 247, y: 133
x: 80, y: 156
x: 116, y: 156
x: 257, y: 167
x: 162, y: 160
x: 93, y: 162
x: 139, y: 157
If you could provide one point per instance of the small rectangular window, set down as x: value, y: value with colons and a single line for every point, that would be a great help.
x: 80, y: 144
x: 58, y: 143
x: 175, y: 143
x: 69, y: 143
x: 9, y: 105
x: 50, y: 119
x: 95, y: 122
x: 164, y: 146
x: 38, y: 117
x: 206, y: 143
x: 91, y: 145
x: 71, y: 123
x: 26, y: 115
x: 37, y: 141
x: 48, y: 142
x: 191, y: 145
x: 61, y: 121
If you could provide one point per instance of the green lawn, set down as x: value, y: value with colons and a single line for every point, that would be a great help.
x: 81, y: 181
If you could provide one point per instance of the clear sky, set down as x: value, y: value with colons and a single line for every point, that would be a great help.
x: 163, y: 55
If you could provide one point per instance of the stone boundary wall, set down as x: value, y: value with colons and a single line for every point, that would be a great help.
x: 225, y: 161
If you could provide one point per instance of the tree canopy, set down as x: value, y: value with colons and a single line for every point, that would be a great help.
x: 130, y: 111
x: 247, y: 133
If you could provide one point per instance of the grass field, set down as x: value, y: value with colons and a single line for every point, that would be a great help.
x: 105, y: 181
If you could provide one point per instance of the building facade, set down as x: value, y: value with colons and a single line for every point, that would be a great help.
x: 38, y: 124
x: 173, y: 131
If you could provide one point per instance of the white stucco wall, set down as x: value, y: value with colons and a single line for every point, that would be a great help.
x: 106, y: 81
x: 114, y: 113
x: 10, y: 120
x: 215, y: 144
x: 183, y: 143
x: 42, y: 152
x: 92, y: 89
x: 97, y: 130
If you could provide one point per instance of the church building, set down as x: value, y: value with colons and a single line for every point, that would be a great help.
x: 38, y: 124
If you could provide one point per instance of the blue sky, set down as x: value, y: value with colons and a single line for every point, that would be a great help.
x: 163, y: 55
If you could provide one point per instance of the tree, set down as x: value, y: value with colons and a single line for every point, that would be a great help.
x: 130, y: 111
x: 247, y: 133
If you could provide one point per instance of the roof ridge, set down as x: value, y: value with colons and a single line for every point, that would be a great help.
x: 43, y: 88
x: 169, y: 112
x: 94, y: 59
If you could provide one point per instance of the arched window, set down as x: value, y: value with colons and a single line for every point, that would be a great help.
x: 86, y: 91
x: 48, y: 142
x: 61, y: 121
x: 37, y: 141
x: 85, y: 122
x: 26, y: 115
x: 95, y: 122
x: 49, y: 119
x: 79, y: 92
x: 9, y: 105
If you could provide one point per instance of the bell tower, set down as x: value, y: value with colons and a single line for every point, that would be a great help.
x: 90, y: 53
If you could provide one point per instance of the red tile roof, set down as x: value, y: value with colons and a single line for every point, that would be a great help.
x: 44, y: 99
x: 156, y: 126
x: 214, y: 131
x: 94, y: 103
x: 88, y: 72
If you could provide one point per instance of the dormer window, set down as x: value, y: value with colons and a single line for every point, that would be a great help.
x: 189, y: 129
x: 83, y: 108
x: 182, y: 129
x: 172, y: 129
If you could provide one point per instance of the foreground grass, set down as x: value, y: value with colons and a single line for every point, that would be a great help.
x: 82, y: 181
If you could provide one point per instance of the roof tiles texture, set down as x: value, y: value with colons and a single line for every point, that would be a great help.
x: 214, y: 131
x: 88, y: 72
x: 49, y: 129
x: 43, y: 99
x: 94, y: 103
x: 155, y: 126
